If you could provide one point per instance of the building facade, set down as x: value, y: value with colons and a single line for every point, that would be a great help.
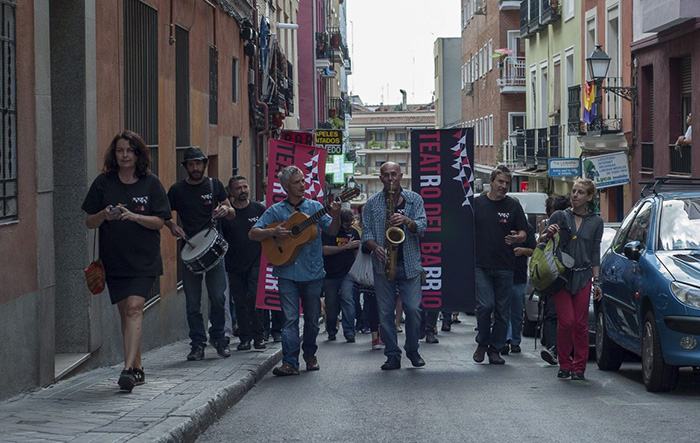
x: 493, y: 78
x: 666, y: 48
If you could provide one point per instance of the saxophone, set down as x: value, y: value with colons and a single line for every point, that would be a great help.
x: 394, y: 237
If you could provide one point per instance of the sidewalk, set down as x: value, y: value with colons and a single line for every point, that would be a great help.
x: 179, y: 400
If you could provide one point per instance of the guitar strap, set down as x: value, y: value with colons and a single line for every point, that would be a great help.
x: 297, y: 206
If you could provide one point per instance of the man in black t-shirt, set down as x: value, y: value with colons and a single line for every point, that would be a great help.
x: 243, y: 263
x: 338, y: 256
x: 501, y: 223
x: 198, y: 201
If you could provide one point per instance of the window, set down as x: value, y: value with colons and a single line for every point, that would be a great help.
x: 235, y: 75
x: 569, y: 10
x: 491, y: 129
x: 8, y: 126
x: 544, y: 95
x: 490, y: 55
x: 213, y: 86
x: 234, y: 156
x: 400, y: 136
x: 182, y: 87
x: 141, y: 62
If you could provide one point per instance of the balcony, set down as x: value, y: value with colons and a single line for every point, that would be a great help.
x: 573, y: 124
x: 554, y: 142
x: 681, y: 160
x: 507, y: 5
x: 530, y: 148
x: 337, y: 107
x: 536, y: 147
x: 658, y: 16
x: 550, y: 12
x: 524, y: 19
x: 604, y: 131
x: 647, y: 156
x: 512, y: 79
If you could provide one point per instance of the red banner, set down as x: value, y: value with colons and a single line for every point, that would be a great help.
x: 312, y: 161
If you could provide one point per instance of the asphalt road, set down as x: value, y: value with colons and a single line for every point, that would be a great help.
x: 454, y: 399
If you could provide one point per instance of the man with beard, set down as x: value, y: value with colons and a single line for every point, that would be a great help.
x: 199, y: 201
x: 501, y: 223
x: 243, y: 263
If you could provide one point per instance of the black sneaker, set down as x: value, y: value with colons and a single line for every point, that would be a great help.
x: 505, y: 350
x: 331, y: 337
x: 515, y: 349
x: 549, y: 356
x: 127, y: 380
x: 416, y: 360
x: 446, y: 327
x: 479, y: 354
x: 577, y: 376
x: 223, y: 349
x: 197, y: 353
x: 350, y: 339
x: 392, y: 363
x: 140, y: 376
x: 259, y: 343
x: 244, y: 345
x: 564, y: 373
x: 276, y: 337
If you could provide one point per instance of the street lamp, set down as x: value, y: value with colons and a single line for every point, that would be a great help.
x: 352, y: 184
x: 598, y: 64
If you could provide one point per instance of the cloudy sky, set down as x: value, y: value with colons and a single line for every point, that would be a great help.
x: 391, y: 46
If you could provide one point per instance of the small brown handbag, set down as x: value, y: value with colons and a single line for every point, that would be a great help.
x: 95, y: 272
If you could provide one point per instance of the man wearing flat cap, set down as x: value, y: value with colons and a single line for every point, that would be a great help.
x: 200, y: 200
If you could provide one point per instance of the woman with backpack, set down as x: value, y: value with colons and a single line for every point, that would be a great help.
x: 582, y: 230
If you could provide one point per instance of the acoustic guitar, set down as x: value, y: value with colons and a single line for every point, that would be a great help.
x: 283, y: 251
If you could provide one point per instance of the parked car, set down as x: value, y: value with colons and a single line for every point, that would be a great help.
x: 532, y: 303
x: 533, y: 204
x: 651, y: 285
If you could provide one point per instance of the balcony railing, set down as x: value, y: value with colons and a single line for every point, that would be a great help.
x: 530, y: 148
x: 573, y: 123
x: 681, y: 161
x: 647, y: 156
x: 337, y: 107
x: 512, y: 75
x: 542, y: 155
x: 550, y: 11
x: 554, y: 142
x: 520, y: 149
x: 534, y: 23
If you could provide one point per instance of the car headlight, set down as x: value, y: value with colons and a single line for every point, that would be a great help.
x: 689, y: 295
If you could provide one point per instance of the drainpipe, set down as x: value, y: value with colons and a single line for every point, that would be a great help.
x: 260, y: 135
x: 313, y: 61
x: 404, y: 105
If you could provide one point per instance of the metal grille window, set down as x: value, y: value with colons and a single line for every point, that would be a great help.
x: 141, y: 70
x: 8, y: 106
x: 213, y: 86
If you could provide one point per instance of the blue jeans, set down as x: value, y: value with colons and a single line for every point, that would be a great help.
x: 290, y: 293
x: 493, y: 294
x: 410, y: 292
x: 339, y: 289
x: 215, y: 280
x: 517, y: 310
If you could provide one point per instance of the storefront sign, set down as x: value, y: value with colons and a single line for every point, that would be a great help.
x: 607, y: 170
x: 564, y: 167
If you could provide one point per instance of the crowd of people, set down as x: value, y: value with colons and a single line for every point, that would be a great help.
x: 129, y: 206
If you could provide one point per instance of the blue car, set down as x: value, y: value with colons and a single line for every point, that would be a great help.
x: 651, y: 285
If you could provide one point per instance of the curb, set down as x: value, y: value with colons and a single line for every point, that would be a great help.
x: 188, y: 422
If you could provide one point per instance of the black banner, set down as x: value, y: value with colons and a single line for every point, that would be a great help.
x: 441, y: 172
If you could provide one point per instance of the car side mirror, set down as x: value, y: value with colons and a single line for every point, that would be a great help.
x: 633, y: 250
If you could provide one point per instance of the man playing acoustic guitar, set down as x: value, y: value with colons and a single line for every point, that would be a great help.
x: 301, y: 277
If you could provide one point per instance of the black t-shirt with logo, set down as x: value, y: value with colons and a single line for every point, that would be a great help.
x: 338, y: 265
x: 128, y: 249
x: 242, y: 252
x: 195, y: 203
x: 493, y: 220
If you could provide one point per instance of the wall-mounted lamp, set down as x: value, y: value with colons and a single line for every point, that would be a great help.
x: 598, y: 64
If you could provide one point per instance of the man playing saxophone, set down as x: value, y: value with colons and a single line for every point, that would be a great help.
x: 393, y: 221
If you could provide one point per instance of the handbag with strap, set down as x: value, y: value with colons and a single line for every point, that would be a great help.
x: 95, y: 272
x: 361, y: 271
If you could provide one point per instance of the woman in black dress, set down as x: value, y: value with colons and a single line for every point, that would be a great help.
x: 128, y: 204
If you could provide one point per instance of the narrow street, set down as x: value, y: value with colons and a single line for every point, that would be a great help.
x: 454, y: 399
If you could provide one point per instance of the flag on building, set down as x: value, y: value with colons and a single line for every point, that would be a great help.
x: 589, y: 103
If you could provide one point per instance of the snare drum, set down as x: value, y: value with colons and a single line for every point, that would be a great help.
x: 204, y: 251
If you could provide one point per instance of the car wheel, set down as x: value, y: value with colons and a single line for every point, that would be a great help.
x: 529, y: 328
x: 608, y: 355
x: 657, y: 375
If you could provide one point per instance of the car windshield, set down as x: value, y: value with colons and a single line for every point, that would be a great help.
x: 680, y: 224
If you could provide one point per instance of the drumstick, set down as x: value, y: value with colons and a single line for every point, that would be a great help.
x: 187, y: 242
